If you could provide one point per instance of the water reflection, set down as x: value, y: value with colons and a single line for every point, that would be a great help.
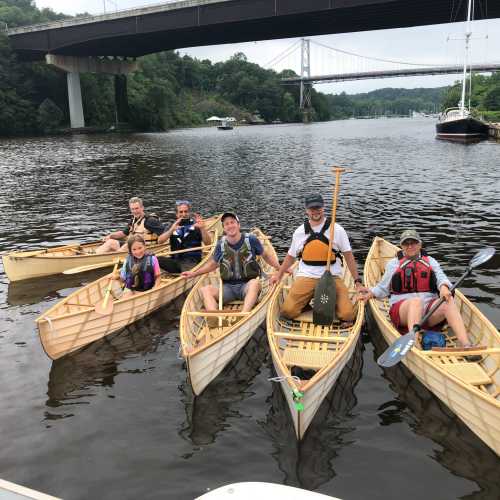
x: 309, y: 463
x: 207, y: 414
x: 75, y: 379
x: 33, y: 291
x: 461, y: 452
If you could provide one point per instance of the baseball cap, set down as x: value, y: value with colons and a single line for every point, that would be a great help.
x: 225, y: 215
x: 314, y: 201
x: 409, y: 234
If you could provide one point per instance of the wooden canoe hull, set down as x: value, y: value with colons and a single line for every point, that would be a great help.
x: 38, y: 263
x: 73, y: 322
x: 476, y: 407
x: 316, y: 389
x: 206, y: 359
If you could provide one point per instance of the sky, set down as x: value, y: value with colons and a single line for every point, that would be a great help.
x: 426, y: 45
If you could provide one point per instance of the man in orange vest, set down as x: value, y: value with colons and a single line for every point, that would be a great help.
x: 310, y: 244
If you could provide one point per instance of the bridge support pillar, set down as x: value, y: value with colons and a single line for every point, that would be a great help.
x: 75, y: 100
x: 121, y: 99
x: 76, y: 65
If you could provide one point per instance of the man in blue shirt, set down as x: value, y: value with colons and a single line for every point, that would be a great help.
x: 236, y: 257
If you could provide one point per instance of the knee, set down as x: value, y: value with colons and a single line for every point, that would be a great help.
x: 416, y: 303
x: 206, y: 290
x: 254, y: 284
x: 289, y: 310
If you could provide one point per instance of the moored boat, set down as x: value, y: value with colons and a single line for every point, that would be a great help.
x: 300, y: 343
x: 23, y: 265
x: 73, y: 322
x: 470, y: 389
x: 207, y: 350
x: 456, y: 124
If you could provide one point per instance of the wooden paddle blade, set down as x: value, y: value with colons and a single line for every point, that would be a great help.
x: 397, y: 350
x: 325, y: 300
x: 104, y: 308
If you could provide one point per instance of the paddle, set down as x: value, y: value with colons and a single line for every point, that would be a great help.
x: 105, y: 306
x: 325, y: 293
x: 221, y: 294
x: 91, y: 267
x: 398, y: 350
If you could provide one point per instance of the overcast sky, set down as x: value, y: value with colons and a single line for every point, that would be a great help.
x: 426, y: 45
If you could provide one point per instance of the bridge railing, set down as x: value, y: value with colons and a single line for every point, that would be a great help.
x: 132, y: 11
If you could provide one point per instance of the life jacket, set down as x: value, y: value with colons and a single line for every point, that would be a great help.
x: 315, y: 249
x: 139, y: 275
x: 413, y: 275
x: 238, y: 265
x: 137, y: 226
x: 185, y: 237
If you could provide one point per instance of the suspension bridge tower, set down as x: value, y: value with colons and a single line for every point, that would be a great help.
x: 305, y: 87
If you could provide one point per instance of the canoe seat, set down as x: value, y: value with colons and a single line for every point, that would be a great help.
x: 306, y: 358
x: 470, y: 373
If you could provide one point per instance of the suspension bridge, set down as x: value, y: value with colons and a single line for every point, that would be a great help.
x: 343, y: 65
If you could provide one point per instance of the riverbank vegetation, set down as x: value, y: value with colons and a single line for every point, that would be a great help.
x: 169, y: 90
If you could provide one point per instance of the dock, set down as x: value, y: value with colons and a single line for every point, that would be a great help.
x: 494, y: 131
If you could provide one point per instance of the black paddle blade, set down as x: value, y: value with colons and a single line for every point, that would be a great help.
x: 325, y: 300
x: 397, y: 350
x: 482, y: 256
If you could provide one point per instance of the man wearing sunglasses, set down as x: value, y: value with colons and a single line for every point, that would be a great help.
x: 186, y: 232
x: 146, y: 225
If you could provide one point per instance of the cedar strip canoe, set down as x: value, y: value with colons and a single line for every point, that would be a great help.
x: 324, y: 349
x: 208, y: 350
x: 46, y: 261
x: 73, y: 322
x: 470, y: 389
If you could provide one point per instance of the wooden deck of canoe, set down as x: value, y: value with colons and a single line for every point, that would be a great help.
x: 12, y: 491
x: 23, y: 265
x: 470, y: 389
x: 301, y: 343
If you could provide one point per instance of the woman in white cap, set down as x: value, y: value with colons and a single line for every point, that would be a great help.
x: 414, y: 280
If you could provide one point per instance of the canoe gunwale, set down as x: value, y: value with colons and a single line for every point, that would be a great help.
x: 257, y: 308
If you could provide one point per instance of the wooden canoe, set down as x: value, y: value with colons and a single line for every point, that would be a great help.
x: 73, y: 322
x: 324, y: 349
x: 46, y: 261
x: 470, y: 390
x: 208, y: 350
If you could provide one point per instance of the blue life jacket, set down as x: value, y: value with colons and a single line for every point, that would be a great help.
x: 139, y: 274
x: 184, y: 237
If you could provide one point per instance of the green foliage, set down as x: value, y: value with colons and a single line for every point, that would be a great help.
x: 49, y: 116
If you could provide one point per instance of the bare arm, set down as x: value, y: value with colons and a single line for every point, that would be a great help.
x: 271, y: 259
x: 169, y: 232
x: 352, y: 265
x: 209, y: 266
x: 117, y: 235
x: 285, y: 265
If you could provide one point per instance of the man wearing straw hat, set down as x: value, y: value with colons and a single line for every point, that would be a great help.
x: 310, y: 244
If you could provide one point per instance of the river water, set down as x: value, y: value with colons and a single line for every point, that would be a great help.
x: 118, y: 419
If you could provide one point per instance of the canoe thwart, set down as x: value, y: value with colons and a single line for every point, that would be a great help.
x: 309, y: 338
x: 211, y: 314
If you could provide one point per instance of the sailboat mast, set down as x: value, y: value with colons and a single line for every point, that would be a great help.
x: 466, y: 56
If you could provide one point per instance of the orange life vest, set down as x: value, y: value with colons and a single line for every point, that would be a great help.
x: 315, y: 249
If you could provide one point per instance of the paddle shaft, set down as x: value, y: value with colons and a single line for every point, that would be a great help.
x: 338, y: 172
x: 434, y: 307
x: 221, y: 294
x: 108, y: 290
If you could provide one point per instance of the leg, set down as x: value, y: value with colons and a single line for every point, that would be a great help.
x: 345, y: 309
x: 450, y: 312
x: 411, y: 312
x: 108, y: 246
x: 210, y: 294
x: 251, y: 293
x: 298, y: 297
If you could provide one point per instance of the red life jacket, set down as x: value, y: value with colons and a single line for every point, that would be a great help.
x: 413, y: 275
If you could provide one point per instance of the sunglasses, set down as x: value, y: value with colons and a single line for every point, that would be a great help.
x: 183, y: 202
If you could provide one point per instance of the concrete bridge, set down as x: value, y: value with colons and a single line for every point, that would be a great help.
x: 136, y: 32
